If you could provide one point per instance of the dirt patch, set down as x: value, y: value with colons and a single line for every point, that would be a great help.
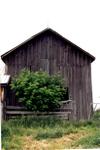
x: 68, y: 140
x: 30, y: 144
x: 59, y: 143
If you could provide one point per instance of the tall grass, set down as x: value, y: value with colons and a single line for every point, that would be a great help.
x: 47, y: 128
x: 91, y: 141
x: 48, y: 125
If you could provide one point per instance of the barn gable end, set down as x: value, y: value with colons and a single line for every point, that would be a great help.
x: 53, y: 53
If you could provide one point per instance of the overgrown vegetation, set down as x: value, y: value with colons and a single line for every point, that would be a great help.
x: 39, y: 91
x: 91, y: 141
x: 50, y: 133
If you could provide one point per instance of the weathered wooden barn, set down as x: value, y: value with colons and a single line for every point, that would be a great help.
x: 53, y: 53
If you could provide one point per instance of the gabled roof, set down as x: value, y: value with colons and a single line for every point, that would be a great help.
x: 54, y: 32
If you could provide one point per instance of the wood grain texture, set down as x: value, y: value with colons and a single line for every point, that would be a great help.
x: 51, y: 53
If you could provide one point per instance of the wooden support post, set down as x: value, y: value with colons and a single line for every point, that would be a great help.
x: 4, y: 110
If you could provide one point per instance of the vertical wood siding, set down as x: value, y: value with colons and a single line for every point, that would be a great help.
x: 52, y: 54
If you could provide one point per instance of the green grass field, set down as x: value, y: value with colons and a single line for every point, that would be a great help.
x: 31, y: 133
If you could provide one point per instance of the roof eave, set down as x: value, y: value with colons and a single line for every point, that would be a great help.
x: 48, y: 29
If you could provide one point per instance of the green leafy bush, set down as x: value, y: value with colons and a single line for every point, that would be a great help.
x: 39, y: 91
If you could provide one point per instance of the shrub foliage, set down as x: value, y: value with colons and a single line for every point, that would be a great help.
x: 38, y: 91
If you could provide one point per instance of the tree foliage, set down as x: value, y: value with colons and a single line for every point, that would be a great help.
x: 38, y: 91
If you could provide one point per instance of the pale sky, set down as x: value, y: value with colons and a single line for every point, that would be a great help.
x: 76, y: 20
